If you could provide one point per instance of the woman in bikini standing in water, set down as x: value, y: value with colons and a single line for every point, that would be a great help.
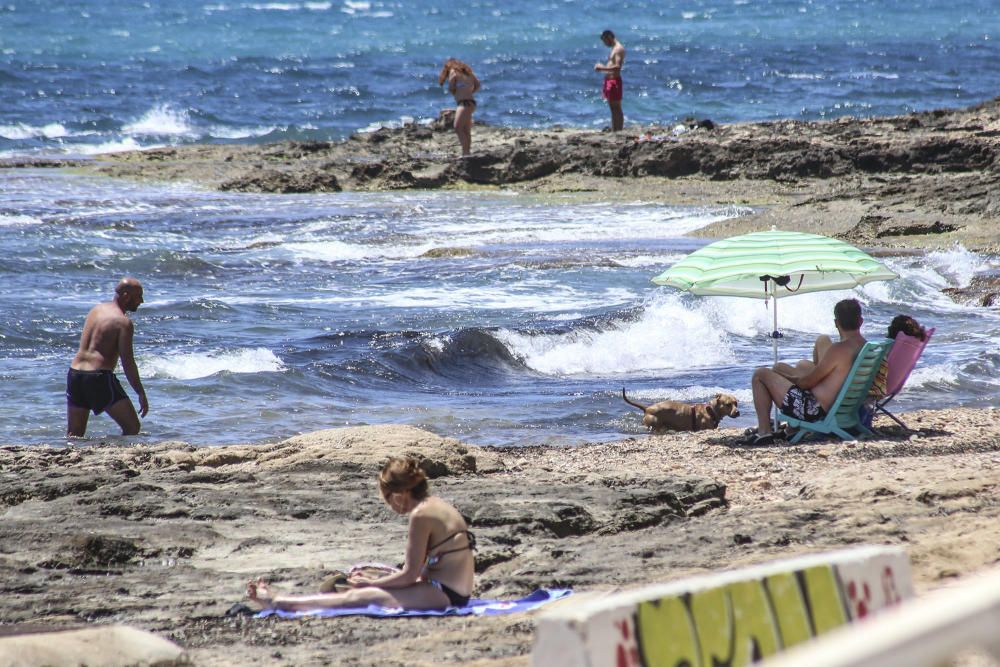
x: 463, y: 84
x: 438, y: 571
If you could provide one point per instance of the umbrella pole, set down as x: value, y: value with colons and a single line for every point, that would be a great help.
x: 774, y: 341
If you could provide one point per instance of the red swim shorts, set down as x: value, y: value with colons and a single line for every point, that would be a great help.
x: 612, y: 90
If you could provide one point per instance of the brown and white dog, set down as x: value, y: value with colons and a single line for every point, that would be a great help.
x: 677, y: 416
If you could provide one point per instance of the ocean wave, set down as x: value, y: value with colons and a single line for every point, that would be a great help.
x: 364, y: 9
x: 941, y: 376
x: 870, y: 74
x: 18, y: 220
x: 402, y: 121
x: 689, y: 394
x: 957, y: 264
x: 194, y: 365
x: 338, y: 251
x: 225, y: 132
x: 667, y: 335
x: 114, y: 146
x: 23, y: 131
x: 468, y: 356
x: 161, y: 120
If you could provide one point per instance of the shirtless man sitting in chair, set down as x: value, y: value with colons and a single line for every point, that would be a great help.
x: 807, y: 390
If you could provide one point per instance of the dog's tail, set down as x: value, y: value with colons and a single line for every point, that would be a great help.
x: 631, y: 402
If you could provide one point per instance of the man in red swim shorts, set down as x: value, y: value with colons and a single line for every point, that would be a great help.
x: 612, y: 90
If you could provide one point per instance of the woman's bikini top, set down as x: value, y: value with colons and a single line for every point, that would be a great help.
x: 434, y: 559
x: 465, y: 87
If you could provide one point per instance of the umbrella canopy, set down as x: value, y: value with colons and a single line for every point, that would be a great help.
x: 756, y: 265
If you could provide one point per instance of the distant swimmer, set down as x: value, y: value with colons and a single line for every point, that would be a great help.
x: 463, y: 84
x: 612, y: 90
x: 91, y: 384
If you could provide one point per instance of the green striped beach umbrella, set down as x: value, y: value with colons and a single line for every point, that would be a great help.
x: 773, y: 265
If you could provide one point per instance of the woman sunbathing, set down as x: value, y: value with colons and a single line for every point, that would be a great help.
x: 438, y: 570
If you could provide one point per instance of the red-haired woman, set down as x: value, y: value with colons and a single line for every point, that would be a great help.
x: 463, y: 84
x: 438, y: 570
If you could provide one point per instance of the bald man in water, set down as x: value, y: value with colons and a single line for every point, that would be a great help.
x: 91, y: 384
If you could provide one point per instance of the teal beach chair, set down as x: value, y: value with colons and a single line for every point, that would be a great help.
x: 843, y: 414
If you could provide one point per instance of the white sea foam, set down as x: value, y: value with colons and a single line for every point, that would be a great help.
x: 682, y: 337
x: 337, y: 251
x: 873, y: 75
x: 394, y: 124
x: 659, y: 261
x: 223, y: 132
x: 957, y: 264
x: 597, y: 222
x: 524, y: 297
x: 810, y: 313
x: 126, y: 144
x: 161, y: 120
x: 695, y: 392
x: 933, y: 375
x: 521, y: 226
x: 273, y: 6
x: 203, y: 364
x: 922, y: 279
x: 18, y: 220
x: 22, y: 131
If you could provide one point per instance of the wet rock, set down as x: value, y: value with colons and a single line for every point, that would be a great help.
x: 936, y: 227
x: 282, y: 182
x: 293, y: 150
x: 363, y: 173
x: 671, y: 161
x: 486, y: 168
x: 438, y: 253
x: 529, y: 164
x: 378, y: 136
x: 981, y: 291
x: 866, y: 230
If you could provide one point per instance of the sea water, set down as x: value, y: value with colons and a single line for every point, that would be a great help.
x: 269, y: 315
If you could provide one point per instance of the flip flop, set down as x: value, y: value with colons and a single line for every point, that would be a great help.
x: 758, y: 440
x: 781, y: 434
x: 240, y: 609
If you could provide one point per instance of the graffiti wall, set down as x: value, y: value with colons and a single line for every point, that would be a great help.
x: 731, y: 619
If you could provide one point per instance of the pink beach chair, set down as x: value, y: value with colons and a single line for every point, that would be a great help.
x: 902, y: 358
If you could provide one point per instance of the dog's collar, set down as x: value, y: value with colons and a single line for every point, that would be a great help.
x: 712, y: 413
x: 694, y: 416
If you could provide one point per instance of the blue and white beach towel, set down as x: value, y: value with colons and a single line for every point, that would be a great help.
x: 475, y: 607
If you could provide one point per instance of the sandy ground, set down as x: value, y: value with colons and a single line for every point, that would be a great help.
x: 164, y: 537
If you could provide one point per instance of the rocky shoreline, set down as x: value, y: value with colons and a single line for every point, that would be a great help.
x: 162, y: 537
x: 922, y: 180
x: 916, y: 182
